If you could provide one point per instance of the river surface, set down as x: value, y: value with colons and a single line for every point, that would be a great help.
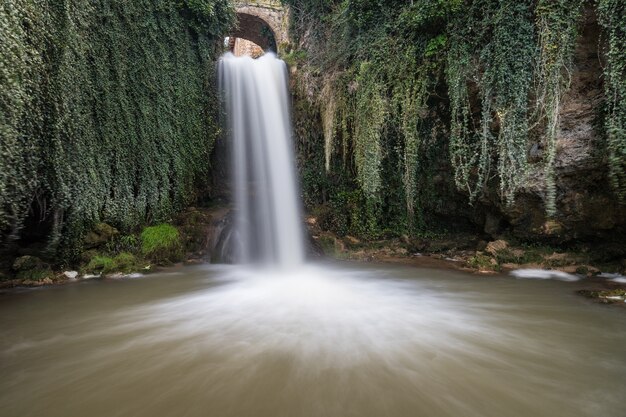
x: 327, y: 340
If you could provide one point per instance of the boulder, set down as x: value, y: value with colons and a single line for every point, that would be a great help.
x: 71, y: 275
x: 27, y: 263
x: 496, y: 246
x: 101, y: 234
x: 31, y: 268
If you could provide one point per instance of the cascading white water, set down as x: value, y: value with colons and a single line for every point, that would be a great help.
x: 268, y: 213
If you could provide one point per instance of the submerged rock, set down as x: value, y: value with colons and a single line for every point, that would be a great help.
x: 605, y: 296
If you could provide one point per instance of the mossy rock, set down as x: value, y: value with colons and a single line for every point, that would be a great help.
x: 124, y: 262
x: 605, y: 296
x: 195, y: 227
x: 99, y: 235
x: 88, y: 255
x: 123, y: 243
x: 27, y: 263
x: 36, y: 274
x: 31, y: 268
x: 518, y: 256
x: 162, y: 244
x: 582, y: 270
x: 101, y: 264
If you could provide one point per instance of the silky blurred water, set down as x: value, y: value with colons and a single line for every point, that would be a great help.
x: 321, y: 340
x: 256, y: 100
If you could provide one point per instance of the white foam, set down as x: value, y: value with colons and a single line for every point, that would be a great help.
x: 544, y: 274
x: 619, y: 278
x: 331, y: 318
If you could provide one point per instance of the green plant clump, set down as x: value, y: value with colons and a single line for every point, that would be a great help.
x: 161, y: 243
x: 101, y: 264
x: 123, y: 262
x: 481, y: 262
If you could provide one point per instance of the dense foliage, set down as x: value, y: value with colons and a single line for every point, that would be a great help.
x: 613, y: 18
x: 556, y: 23
x: 106, y: 110
x: 411, y: 90
x: 492, y: 45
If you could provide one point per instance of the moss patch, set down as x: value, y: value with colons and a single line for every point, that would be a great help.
x: 37, y: 274
x: 101, y: 264
x: 124, y: 262
x: 162, y: 243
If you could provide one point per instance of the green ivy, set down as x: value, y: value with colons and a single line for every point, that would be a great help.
x: 107, y: 110
x: 492, y: 46
x: 556, y: 22
x: 398, y: 84
x: 612, y: 16
x: 370, y: 112
x: 22, y: 78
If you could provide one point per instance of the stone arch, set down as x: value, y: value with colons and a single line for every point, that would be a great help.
x: 264, y: 22
x: 255, y: 29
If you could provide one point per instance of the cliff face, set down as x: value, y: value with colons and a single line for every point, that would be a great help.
x: 587, y: 207
x: 419, y: 161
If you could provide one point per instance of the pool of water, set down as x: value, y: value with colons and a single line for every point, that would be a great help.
x: 337, y: 339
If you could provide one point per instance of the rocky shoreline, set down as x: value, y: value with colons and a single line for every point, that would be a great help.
x: 600, y: 272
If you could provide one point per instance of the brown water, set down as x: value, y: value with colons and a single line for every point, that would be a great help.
x: 329, y: 340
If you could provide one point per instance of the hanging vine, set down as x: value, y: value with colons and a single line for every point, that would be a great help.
x: 329, y: 120
x: 556, y: 22
x: 612, y: 16
x: 411, y: 80
x: 508, y: 73
x: 370, y: 112
x: 494, y: 53
x: 469, y: 149
x: 21, y: 116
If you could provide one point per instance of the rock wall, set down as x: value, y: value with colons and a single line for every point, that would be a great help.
x: 587, y: 207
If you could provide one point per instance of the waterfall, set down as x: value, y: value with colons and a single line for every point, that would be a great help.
x: 268, y: 221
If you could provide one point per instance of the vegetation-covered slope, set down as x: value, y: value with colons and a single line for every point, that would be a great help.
x: 448, y: 107
x: 107, y: 111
